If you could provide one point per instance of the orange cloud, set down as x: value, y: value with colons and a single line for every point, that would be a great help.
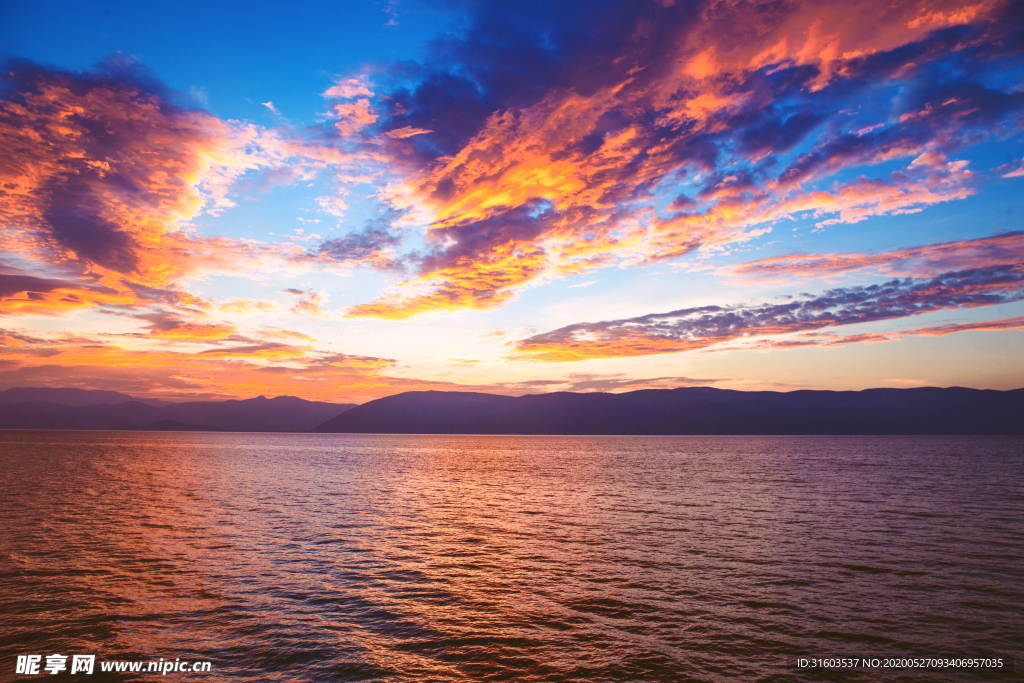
x: 246, y: 306
x: 278, y: 333
x: 734, y: 37
x: 24, y: 294
x: 546, y: 243
x: 351, y: 117
x: 197, y: 332
x: 577, y: 178
x: 477, y: 284
x: 100, y: 174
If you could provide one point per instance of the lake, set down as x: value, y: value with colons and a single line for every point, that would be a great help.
x: 299, y: 557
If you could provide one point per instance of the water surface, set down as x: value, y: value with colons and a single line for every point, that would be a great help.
x: 298, y: 557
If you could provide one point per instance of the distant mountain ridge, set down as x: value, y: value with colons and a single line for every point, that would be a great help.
x: 692, y: 410
x: 65, y: 396
x: 689, y: 410
x: 57, y: 408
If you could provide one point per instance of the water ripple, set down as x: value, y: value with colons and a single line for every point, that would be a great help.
x: 465, y: 558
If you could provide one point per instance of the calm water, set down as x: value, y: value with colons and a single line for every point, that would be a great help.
x: 465, y: 558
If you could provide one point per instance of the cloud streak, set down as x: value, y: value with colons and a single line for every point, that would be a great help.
x: 914, y: 262
x: 706, y: 326
x: 820, y: 339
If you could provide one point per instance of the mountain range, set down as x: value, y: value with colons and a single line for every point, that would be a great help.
x: 58, y: 408
x: 688, y: 410
x: 692, y: 410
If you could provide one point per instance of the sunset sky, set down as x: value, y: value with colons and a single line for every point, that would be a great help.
x: 343, y: 201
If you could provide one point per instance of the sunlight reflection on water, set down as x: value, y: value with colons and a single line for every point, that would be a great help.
x: 354, y: 557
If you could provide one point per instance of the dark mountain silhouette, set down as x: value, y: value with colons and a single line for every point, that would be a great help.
x: 33, y: 415
x: 127, y: 415
x: 692, y: 410
x: 261, y: 414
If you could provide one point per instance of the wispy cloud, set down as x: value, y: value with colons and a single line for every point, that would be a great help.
x: 173, y: 326
x: 592, y: 382
x: 375, y: 246
x: 702, y: 327
x: 915, y: 262
x: 309, y: 303
x: 348, y: 88
x: 823, y: 339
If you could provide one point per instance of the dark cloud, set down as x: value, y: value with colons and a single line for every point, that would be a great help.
x: 512, y: 56
x: 777, y: 134
x: 520, y: 225
x: 17, y: 284
x: 74, y: 218
x: 161, y: 321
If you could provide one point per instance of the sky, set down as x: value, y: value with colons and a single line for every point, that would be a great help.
x: 343, y: 201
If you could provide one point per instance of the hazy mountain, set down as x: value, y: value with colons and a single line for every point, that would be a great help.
x: 260, y: 414
x: 280, y: 414
x: 692, y: 410
x: 127, y: 415
x: 67, y: 397
x: 33, y: 416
